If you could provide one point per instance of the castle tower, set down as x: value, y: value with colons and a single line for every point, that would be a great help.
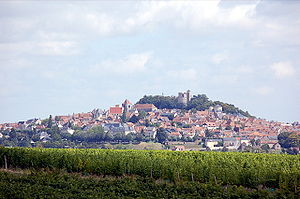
x: 184, y: 97
x: 188, y: 95
x: 127, y: 105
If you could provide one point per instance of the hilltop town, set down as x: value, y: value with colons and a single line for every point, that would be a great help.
x: 144, y: 125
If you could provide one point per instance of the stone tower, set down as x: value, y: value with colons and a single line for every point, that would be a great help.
x: 184, y: 97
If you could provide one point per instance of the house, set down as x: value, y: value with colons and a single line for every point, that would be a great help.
x: 71, y: 131
x: 150, y: 132
x: 44, y: 136
x: 145, y: 107
x: 174, y: 135
x: 218, y: 108
x: 245, y: 141
x: 116, y: 111
x: 214, y: 143
x: 178, y: 148
x: 139, y: 129
x: 277, y: 146
x: 270, y: 143
x: 115, y: 128
x: 189, y: 133
x: 231, y: 142
x: 210, y: 125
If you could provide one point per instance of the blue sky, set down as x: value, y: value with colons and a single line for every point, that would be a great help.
x: 64, y: 57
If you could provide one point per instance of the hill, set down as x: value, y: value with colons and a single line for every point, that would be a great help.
x: 198, y: 102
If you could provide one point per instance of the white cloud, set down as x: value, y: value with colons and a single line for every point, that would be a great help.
x: 186, y: 74
x: 219, y: 58
x: 130, y: 64
x: 194, y: 14
x: 283, y: 69
x: 58, y: 48
x: 147, y: 15
x: 264, y: 90
x: 80, y: 20
x: 242, y: 15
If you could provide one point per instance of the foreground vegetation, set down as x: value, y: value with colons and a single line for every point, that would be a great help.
x: 59, y: 184
x: 246, y: 169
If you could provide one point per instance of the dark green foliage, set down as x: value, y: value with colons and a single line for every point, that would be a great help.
x: 161, y: 135
x: 134, y: 119
x: 289, y: 139
x: 50, y: 122
x: 161, y: 102
x: 94, y: 134
x: 246, y: 169
x: 64, y: 185
x: 198, y: 102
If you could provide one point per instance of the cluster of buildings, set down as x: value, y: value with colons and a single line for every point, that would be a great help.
x: 211, y: 128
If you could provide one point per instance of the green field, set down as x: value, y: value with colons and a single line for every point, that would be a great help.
x: 253, y: 171
x: 69, y: 185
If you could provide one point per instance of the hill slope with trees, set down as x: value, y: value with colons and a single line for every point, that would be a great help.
x: 198, y: 102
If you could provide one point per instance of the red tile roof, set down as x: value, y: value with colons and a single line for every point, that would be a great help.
x: 115, y: 110
x: 144, y: 106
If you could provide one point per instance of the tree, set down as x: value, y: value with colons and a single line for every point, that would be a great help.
x: 49, y: 124
x: 54, y: 132
x: 224, y: 149
x: 236, y: 129
x: 253, y: 142
x: 142, y: 115
x: 265, y: 147
x: 198, y: 102
x: 289, y: 139
x: 25, y: 143
x: 228, y: 127
x: 208, y: 133
x: 139, y: 137
x: 161, y: 135
x: 134, y: 119
x: 12, y: 134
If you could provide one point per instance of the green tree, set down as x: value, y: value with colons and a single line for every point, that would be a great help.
x: 12, y: 134
x: 228, y: 127
x: 289, y: 139
x: 134, y: 119
x: 142, y: 115
x: 265, y: 147
x: 208, y: 133
x: 161, y: 135
x: 49, y: 122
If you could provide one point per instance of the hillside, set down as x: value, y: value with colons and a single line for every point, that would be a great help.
x: 197, y: 102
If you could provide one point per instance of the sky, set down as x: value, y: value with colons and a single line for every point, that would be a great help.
x: 64, y: 57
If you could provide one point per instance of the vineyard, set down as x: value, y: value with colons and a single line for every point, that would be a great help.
x: 246, y: 169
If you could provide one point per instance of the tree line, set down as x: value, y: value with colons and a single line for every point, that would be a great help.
x: 198, y: 102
